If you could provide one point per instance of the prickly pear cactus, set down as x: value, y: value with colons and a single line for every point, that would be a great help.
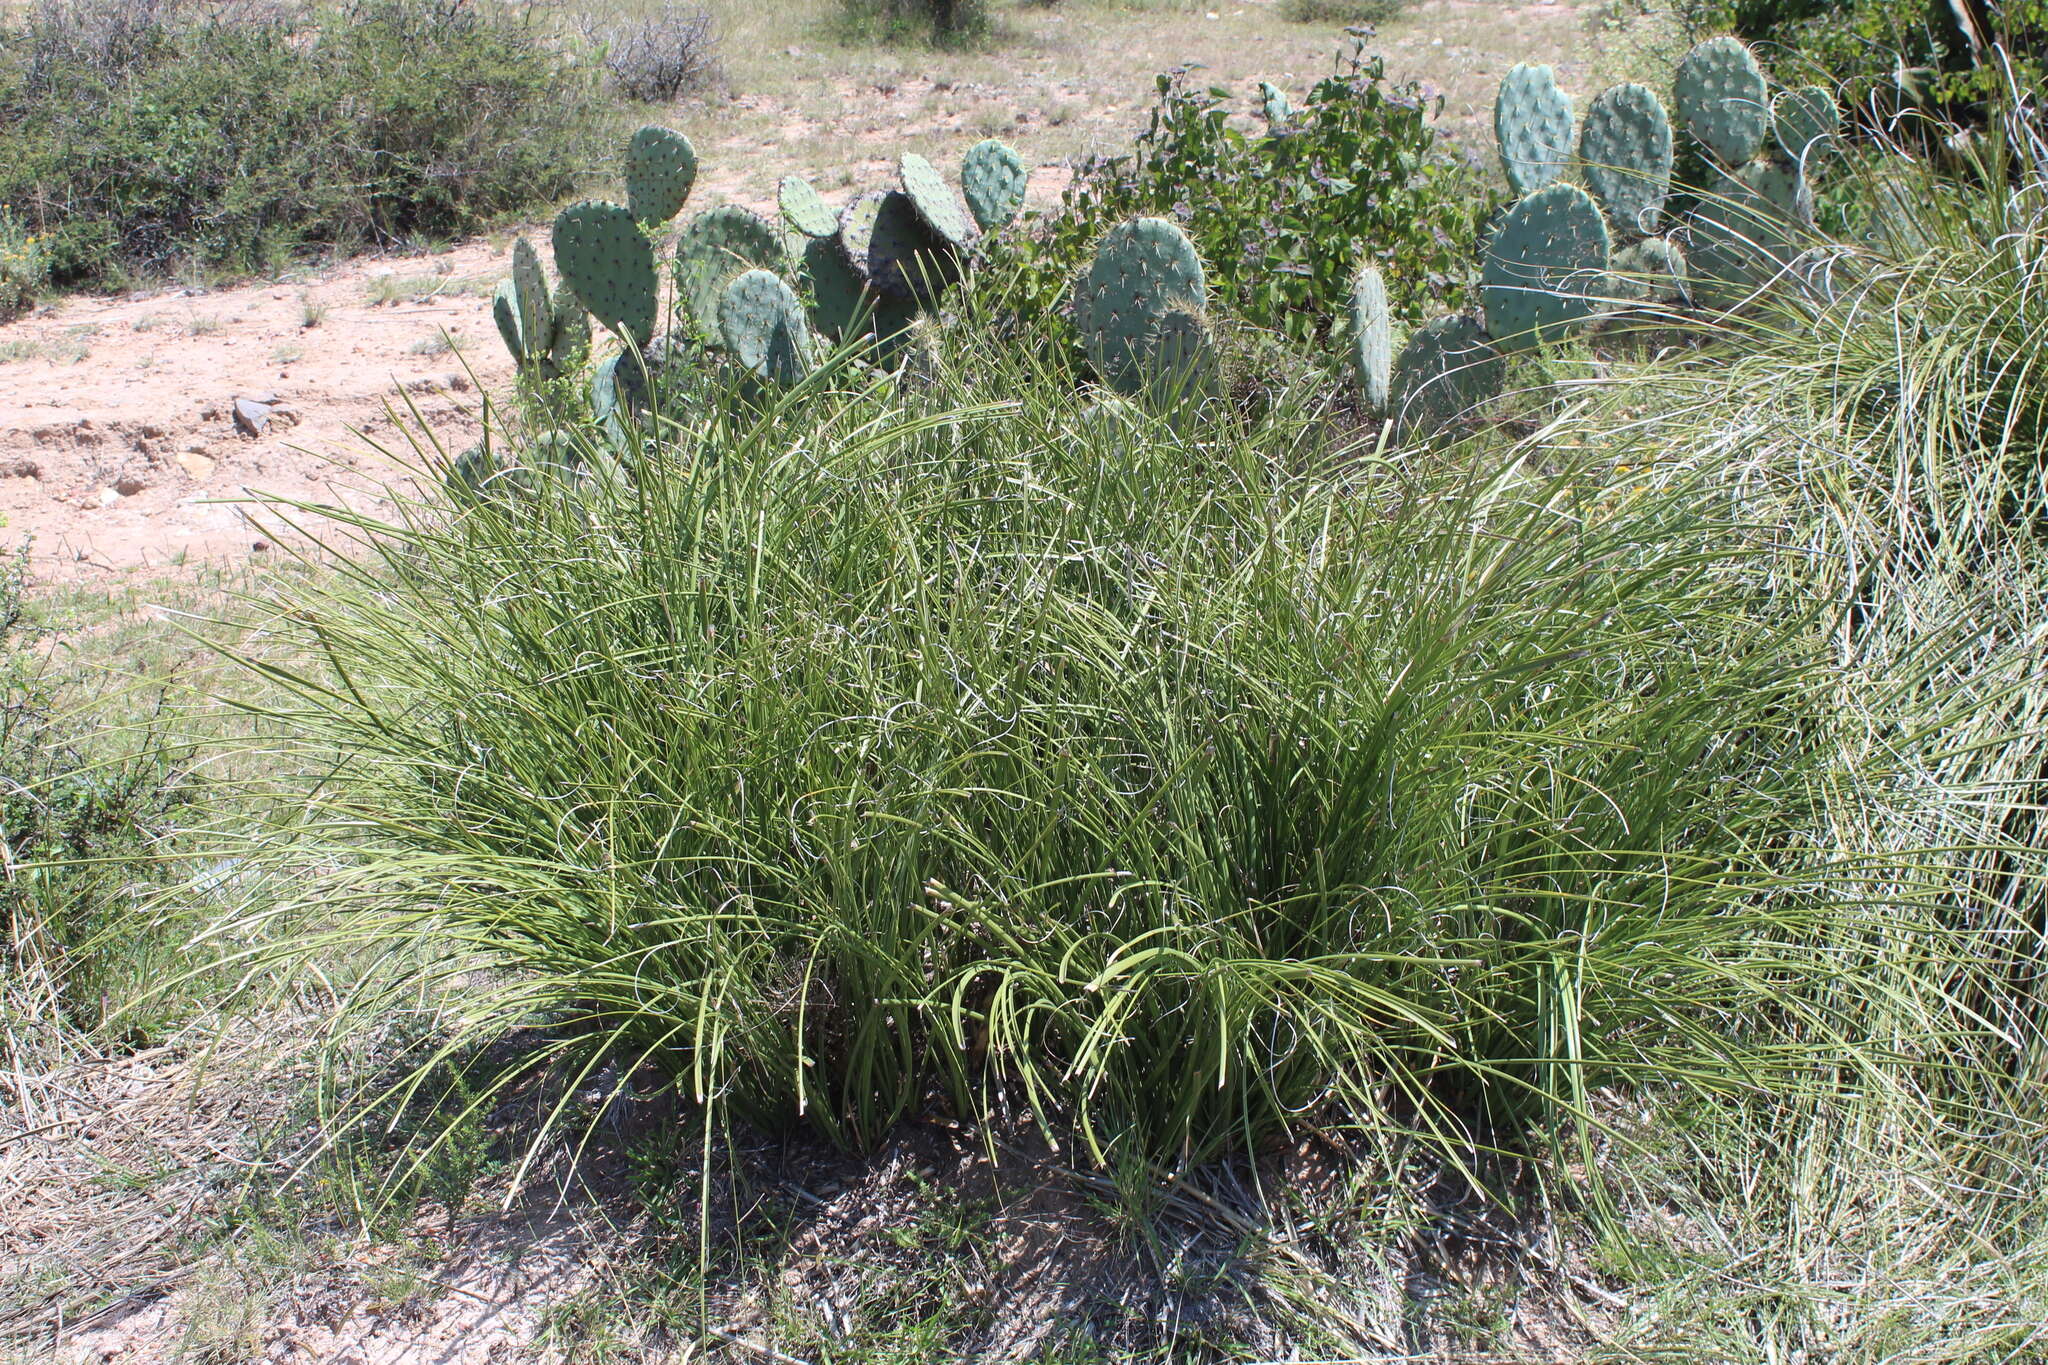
x: 1446, y: 371
x: 1783, y: 186
x: 1143, y: 270
x: 1748, y: 231
x: 1722, y: 99
x: 530, y: 298
x: 1544, y: 267
x: 505, y: 312
x: 992, y: 179
x: 893, y: 250
x: 1182, y: 366
x: 570, y: 336
x: 803, y: 210
x: 1372, y: 337
x: 762, y: 321
x: 838, y: 295
x: 607, y: 260
x: 1532, y: 120
x: 717, y: 245
x: 1805, y: 123
x: 1625, y: 151
x: 1274, y: 104
x: 936, y: 203
x: 1650, y: 271
x: 661, y: 166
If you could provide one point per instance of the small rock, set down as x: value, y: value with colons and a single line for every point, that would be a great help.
x: 251, y: 417
x: 108, y: 497
x: 21, y: 469
x: 197, y: 466
x: 267, y: 399
x: 259, y: 546
x: 128, y: 485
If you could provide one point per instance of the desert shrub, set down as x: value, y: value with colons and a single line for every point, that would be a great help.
x: 1341, y: 11
x: 1889, y: 54
x: 942, y: 21
x: 654, y: 56
x: 24, y: 266
x: 223, y: 140
x: 1283, y: 219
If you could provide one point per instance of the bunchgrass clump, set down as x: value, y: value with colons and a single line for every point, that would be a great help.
x: 1173, y: 782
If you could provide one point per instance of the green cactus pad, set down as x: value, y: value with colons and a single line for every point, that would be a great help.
x: 839, y: 297
x: 1805, y: 122
x: 1532, y: 121
x: 530, y: 296
x: 1372, y: 337
x: 1143, y: 269
x: 1447, y: 369
x: 1782, y: 186
x: 803, y: 210
x: 1181, y: 359
x: 936, y: 203
x: 762, y: 321
x: 1625, y: 149
x: 717, y: 245
x: 992, y: 179
x: 608, y: 261
x: 661, y: 166
x: 505, y: 312
x: 1650, y: 271
x: 891, y: 247
x: 570, y: 335
x: 1722, y: 99
x: 1544, y: 266
x: 1274, y: 104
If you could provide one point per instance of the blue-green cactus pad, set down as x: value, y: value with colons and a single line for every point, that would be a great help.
x: 1625, y: 150
x: 1545, y: 267
x: 717, y: 245
x: 1532, y: 121
x: 803, y: 210
x: 1447, y: 370
x: 1722, y: 99
x: 1372, y: 337
x: 993, y: 179
x: 762, y: 321
x: 661, y: 166
x: 936, y: 203
x: 602, y: 255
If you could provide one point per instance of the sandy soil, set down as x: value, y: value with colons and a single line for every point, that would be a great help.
x: 128, y: 456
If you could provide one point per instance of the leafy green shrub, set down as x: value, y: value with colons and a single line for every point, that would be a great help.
x: 24, y: 266
x: 225, y: 140
x: 1341, y: 11
x: 1283, y: 220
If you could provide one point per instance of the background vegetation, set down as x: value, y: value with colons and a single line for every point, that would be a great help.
x: 138, y: 139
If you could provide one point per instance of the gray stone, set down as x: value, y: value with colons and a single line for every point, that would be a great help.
x: 251, y: 417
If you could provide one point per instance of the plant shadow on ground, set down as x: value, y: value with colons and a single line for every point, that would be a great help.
x: 945, y: 1242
